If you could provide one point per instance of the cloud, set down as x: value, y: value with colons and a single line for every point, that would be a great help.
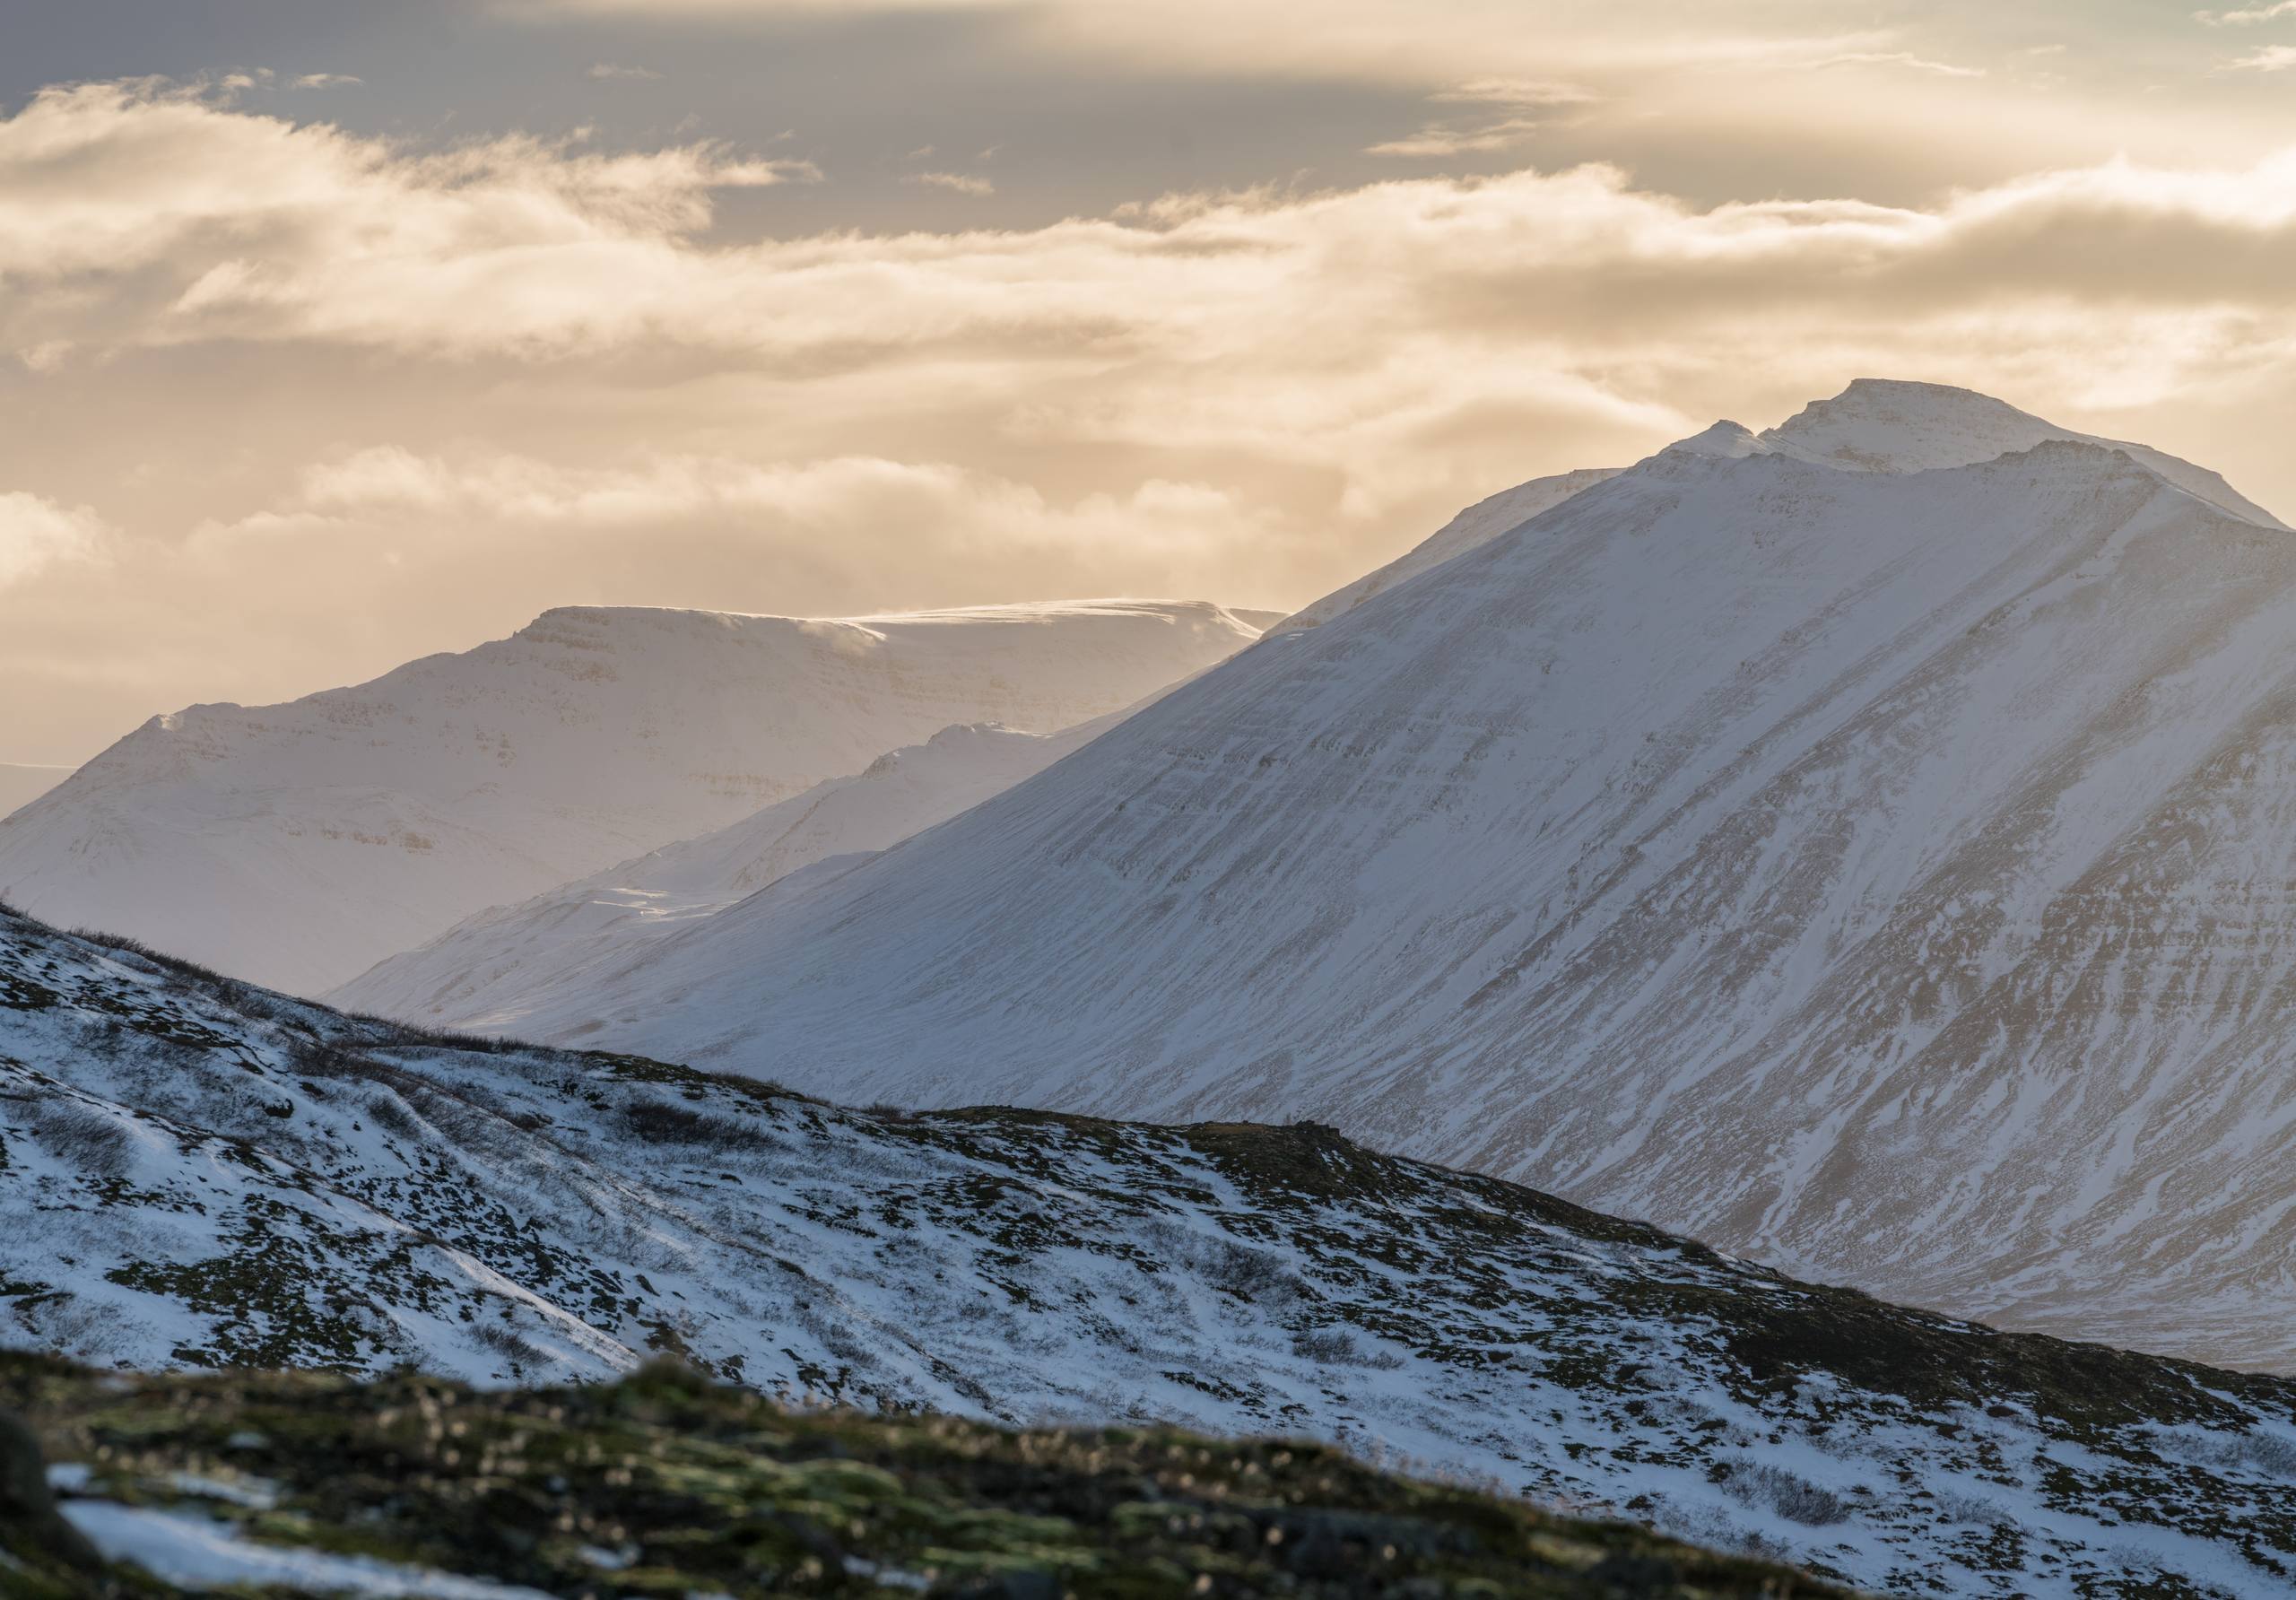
x: 1454, y: 138
x: 1905, y: 58
x: 1537, y: 92
x: 568, y: 381
x: 189, y: 218
x: 132, y: 218
x: 1507, y: 126
x: 328, y: 81
x: 2245, y: 18
x: 1305, y: 323
x: 1389, y: 41
x: 959, y: 182
x: 37, y: 534
x: 2272, y: 58
x: 610, y: 71
x: 868, y: 507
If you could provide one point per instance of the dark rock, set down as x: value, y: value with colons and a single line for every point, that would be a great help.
x: 31, y: 1526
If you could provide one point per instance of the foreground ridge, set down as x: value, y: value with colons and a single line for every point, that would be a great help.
x: 665, y: 1483
x: 201, y: 1174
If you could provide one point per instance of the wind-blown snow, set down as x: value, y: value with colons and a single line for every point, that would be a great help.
x: 1883, y: 872
x: 298, y: 845
x: 201, y: 1174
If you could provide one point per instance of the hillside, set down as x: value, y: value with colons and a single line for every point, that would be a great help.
x: 200, y: 1174
x: 489, y: 969
x: 298, y: 845
x: 1876, y: 872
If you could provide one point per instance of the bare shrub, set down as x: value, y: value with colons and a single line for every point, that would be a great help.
x: 1761, y: 1486
x: 87, y: 1140
x: 1250, y: 1275
x: 483, y: 1044
x: 661, y: 1122
x: 390, y: 1114
x: 126, y: 944
x: 2271, y: 1455
x: 1337, y: 1347
x: 314, y: 1057
x: 510, y: 1344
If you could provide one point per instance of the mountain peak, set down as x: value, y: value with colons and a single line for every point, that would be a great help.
x: 1898, y: 425
x: 1726, y: 440
x: 1880, y: 424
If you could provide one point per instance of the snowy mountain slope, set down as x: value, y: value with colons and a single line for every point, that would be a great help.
x: 20, y: 786
x: 197, y: 1173
x: 1880, y: 874
x: 1478, y: 525
x: 300, y: 844
x: 487, y: 969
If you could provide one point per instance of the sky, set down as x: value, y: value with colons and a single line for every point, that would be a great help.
x: 332, y: 334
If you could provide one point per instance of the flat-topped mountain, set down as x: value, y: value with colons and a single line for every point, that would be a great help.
x: 299, y: 843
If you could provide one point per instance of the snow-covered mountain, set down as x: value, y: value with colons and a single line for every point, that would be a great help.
x: 299, y: 843
x: 197, y: 1173
x: 489, y: 970
x: 1879, y: 868
x: 1478, y: 525
x: 20, y: 785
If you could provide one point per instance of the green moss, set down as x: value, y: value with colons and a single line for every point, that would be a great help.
x: 695, y: 1487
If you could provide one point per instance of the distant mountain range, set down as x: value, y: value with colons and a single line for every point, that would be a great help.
x: 201, y: 1174
x: 298, y: 845
x: 1864, y: 843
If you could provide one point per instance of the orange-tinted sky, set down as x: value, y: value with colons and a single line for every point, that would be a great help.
x: 332, y: 333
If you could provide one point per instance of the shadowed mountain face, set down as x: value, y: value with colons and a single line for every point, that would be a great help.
x: 298, y: 845
x: 1874, y: 864
x: 199, y: 1174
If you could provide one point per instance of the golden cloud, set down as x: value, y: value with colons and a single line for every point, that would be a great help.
x: 38, y: 533
x: 514, y: 372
